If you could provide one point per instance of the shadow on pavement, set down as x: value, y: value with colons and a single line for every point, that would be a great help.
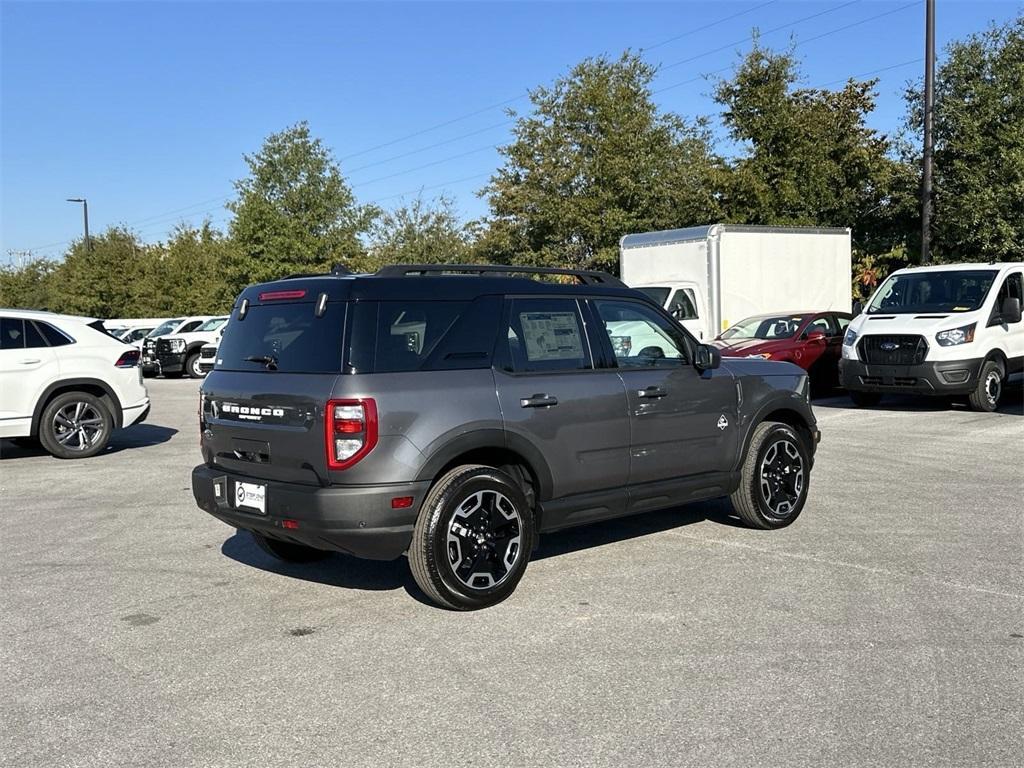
x: 339, y: 570
x: 137, y: 436
x: 1011, y: 403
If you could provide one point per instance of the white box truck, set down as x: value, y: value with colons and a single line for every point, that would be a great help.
x: 713, y: 276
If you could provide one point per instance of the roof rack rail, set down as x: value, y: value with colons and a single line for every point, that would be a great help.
x: 584, y: 276
x: 338, y: 270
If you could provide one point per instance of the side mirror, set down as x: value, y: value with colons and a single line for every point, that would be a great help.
x: 858, y: 307
x: 677, y: 312
x: 1010, y: 311
x: 707, y: 358
x: 815, y: 335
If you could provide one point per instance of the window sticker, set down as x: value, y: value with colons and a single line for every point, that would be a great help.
x: 551, y: 335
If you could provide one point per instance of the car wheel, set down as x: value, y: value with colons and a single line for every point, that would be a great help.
x: 192, y: 366
x: 985, y: 396
x: 473, y: 538
x: 865, y: 399
x: 774, y: 479
x: 288, y: 551
x: 75, y: 425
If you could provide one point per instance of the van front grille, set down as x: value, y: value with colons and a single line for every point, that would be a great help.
x: 893, y: 350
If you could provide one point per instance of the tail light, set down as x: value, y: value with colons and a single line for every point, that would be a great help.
x: 129, y: 359
x: 351, y: 427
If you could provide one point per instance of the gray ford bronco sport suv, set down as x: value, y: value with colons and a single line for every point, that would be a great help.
x: 454, y: 413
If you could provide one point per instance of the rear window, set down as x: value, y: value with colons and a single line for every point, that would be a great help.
x: 289, y: 335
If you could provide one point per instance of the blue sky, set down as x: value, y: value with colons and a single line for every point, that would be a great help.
x: 146, y: 108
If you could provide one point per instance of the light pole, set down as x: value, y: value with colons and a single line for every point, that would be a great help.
x: 929, y: 141
x: 85, y: 218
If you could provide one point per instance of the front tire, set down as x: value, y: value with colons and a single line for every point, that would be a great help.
x: 192, y: 367
x: 75, y: 425
x: 774, y: 479
x: 865, y: 399
x: 288, y: 551
x: 985, y: 396
x: 473, y: 538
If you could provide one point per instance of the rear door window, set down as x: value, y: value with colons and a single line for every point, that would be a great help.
x: 284, y: 338
x: 546, y: 335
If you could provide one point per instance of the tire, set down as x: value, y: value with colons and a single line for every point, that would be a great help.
x: 75, y: 425
x: 473, y: 538
x: 288, y: 551
x: 192, y: 367
x: 985, y: 396
x: 774, y: 479
x: 865, y: 399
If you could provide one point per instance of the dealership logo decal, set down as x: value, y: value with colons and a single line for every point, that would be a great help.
x: 250, y: 412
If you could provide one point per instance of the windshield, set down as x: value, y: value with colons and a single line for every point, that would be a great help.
x: 658, y: 295
x: 211, y: 325
x: 765, y: 327
x: 913, y: 292
x: 165, y: 327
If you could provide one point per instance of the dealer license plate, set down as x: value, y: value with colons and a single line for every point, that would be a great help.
x: 251, y: 496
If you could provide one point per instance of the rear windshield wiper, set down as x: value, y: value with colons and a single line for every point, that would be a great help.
x: 268, y: 360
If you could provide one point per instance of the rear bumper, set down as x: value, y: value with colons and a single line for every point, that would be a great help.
x: 944, y: 377
x: 135, y: 414
x: 357, y: 520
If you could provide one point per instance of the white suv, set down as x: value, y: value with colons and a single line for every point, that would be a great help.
x: 66, y: 382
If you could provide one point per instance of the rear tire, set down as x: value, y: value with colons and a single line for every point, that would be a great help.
x: 985, y: 396
x: 75, y: 425
x: 288, y: 551
x: 865, y: 399
x: 774, y: 479
x: 473, y: 538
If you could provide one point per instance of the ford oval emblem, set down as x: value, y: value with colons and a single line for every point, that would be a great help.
x: 888, y: 346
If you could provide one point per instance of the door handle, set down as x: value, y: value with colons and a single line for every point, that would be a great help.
x: 32, y: 361
x: 651, y: 392
x: 538, y: 401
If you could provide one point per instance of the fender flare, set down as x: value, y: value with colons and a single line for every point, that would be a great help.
x: 781, y: 402
x: 493, y: 439
x: 37, y: 412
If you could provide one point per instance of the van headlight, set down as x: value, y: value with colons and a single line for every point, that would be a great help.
x: 962, y: 335
x: 850, y: 337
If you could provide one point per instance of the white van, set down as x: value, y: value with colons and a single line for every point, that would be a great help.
x: 953, y: 329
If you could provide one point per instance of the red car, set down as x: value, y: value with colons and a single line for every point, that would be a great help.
x: 812, y: 340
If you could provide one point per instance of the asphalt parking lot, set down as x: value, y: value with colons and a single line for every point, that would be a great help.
x: 885, y: 627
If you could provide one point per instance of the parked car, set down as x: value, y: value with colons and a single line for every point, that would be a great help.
x: 812, y: 340
x: 178, y: 352
x: 208, y: 352
x: 709, y: 277
x: 454, y: 417
x: 65, y: 382
x: 134, y: 335
x: 951, y: 330
x: 150, y: 363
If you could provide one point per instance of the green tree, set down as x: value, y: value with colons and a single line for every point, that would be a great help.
x: 187, y: 274
x: 102, y: 281
x: 807, y: 156
x: 593, y: 160
x: 294, y: 212
x: 28, y: 285
x: 420, y: 232
x: 979, y: 147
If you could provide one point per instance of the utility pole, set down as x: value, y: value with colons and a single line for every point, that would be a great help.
x: 85, y: 218
x: 929, y: 141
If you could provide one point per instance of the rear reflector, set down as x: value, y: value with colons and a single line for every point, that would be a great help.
x: 290, y: 524
x: 401, y: 502
x: 281, y: 295
x: 129, y: 359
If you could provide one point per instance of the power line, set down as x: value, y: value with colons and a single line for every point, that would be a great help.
x: 431, y: 146
x: 707, y: 26
x: 859, y: 75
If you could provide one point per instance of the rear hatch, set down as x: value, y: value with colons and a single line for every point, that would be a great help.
x: 262, y: 406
